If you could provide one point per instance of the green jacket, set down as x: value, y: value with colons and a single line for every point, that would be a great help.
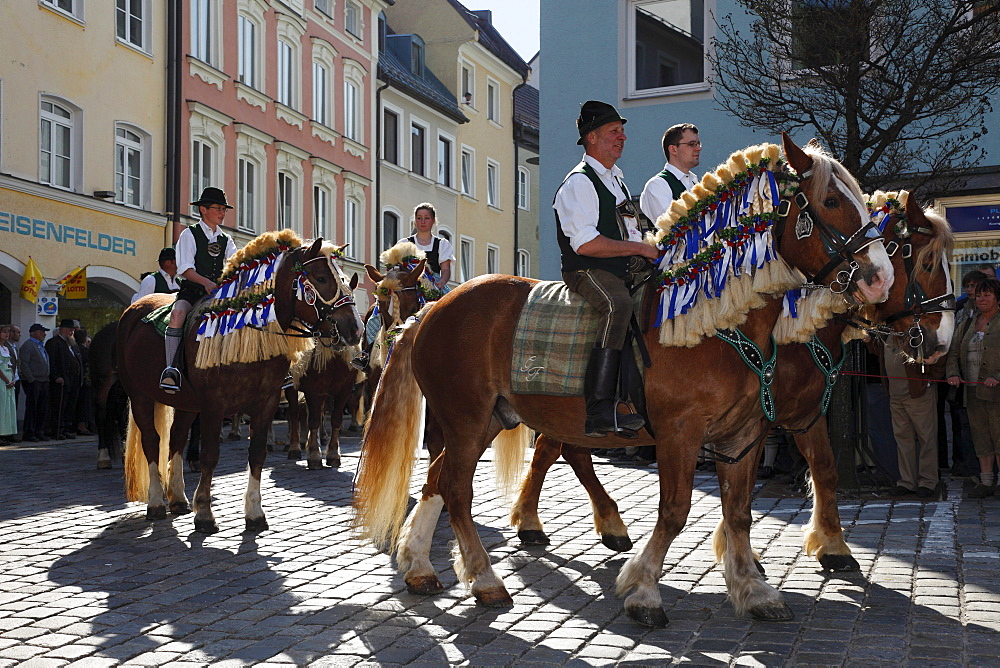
x: 990, y: 366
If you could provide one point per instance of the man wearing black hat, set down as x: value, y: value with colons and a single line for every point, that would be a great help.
x: 598, y: 232
x: 164, y: 280
x: 33, y: 362
x: 202, y: 251
x: 65, y: 379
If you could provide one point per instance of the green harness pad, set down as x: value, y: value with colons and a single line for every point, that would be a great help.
x: 552, y: 342
x: 159, y: 318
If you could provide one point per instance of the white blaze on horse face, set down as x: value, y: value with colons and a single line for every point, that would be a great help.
x: 946, y: 329
x: 882, y: 280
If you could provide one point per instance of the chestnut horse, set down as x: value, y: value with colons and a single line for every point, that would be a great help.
x: 459, y: 355
x: 799, y: 389
x: 308, y: 289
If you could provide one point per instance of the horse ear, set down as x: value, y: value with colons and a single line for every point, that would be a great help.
x: 796, y: 157
x: 284, y: 289
x: 915, y: 214
x: 313, y: 250
x: 354, y: 281
x: 373, y: 274
x: 414, y: 276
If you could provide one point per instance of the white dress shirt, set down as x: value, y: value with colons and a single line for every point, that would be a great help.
x: 577, y: 203
x: 656, y: 196
x: 186, y: 247
x: 148, y: 285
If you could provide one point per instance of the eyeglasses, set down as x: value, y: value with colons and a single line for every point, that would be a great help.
x: 693, y: 144
x: 215, y: 207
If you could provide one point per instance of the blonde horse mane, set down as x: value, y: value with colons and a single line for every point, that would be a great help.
x: 745, y: 292
x: 250, y: 344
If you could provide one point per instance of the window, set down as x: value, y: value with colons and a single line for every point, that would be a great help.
x: 668, y: 39
x: 383, y: 30
x: 247, y: 36
x: 523, y: 263
x: 128, y: 167
x: 286, y: 73
x: 417, y: 56
x: 468, y: 172
x: 129, y: 22
x: 321, y: 212
x: 55, y: 165
x: 71, y: 7
x: 325, y: 6
x: 390, y: 230
x: 827, y: 33
x: 493, y: 184
x: 246, y: 195
x: 418, y: 149
x: 351, y: 235
x: 468, y: 84
x: 523, y: 185
x: 352, y: 111
x: 352, y: 18
x: 201, y: 167
x: 201, y: 30
x: 390, y: 136
x: 445, y: 159
x: 286, y: 202
x: 492, y: 259
x: 321, y: 94
x: 467, y: 248
x: 493, y: 101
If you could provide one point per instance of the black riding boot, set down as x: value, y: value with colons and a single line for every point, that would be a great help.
x: 600, y: 390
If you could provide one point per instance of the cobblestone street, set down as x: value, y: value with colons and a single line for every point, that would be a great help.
x: 85, y: 580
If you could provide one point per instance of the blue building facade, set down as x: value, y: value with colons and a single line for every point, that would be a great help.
x: 647, y: 58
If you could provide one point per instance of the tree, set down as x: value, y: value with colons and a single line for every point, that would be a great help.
x: 898, y: 90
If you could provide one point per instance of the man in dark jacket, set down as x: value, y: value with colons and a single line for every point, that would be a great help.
x: 65, y: 379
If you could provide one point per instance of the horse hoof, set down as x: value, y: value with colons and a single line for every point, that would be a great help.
x: 206, y: 526
x: 425, y: 585
x: 839, y: 562
x: 760, y: 567
x: 103, y: 464
x: 294, y: 454
x: 157, y: 513
x: 314, y: 465
x: 654, y: 617
x: 533, y: 537
x: 775, y: 611
x: 257, y: 525
x: 495, y: 598
x: 333, y: 462
x: 617, y: 543
x: 179, y: 508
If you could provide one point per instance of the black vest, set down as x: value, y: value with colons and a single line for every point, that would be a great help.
x: 676, y: 187
x: 161, y: 284
x: 204, y: 263
x: 607, y: 224
x: 433, y: 255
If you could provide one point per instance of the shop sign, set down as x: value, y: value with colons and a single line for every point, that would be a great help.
x: 976, y: 256
x: 66, y: 234
x: 48, y: 304
x: 984, y: 218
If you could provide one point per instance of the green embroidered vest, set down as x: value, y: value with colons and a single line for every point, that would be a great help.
x: 607, y: 224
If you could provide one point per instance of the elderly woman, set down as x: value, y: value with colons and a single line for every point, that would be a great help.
x: 976, y: 359
x: 8, y: 407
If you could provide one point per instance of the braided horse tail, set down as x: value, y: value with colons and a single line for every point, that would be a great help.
x: 382, y: 487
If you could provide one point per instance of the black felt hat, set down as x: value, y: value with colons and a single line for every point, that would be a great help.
x: 167, y: 254
x: 210, y: 196
x: 594, y: 114
x: 68, y: 323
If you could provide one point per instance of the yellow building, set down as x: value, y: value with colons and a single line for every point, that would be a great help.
x: 81, y: 153
x: 466, y: 52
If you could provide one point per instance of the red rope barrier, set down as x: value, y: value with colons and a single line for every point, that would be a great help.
x: 929, y: 380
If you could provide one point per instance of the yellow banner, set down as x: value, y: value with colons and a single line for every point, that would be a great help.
x: 31, y: 282
x: 74, y: 284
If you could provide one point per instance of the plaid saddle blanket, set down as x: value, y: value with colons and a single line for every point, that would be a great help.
x: 159, y: 318
x: 552, y: 342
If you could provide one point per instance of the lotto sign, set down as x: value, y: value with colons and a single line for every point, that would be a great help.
x: 48, y: 304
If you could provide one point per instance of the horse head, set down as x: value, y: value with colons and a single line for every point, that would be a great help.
x: 397, y: 292
x: 920, y: 310
x: 314, y: 290
x: 825, y: 230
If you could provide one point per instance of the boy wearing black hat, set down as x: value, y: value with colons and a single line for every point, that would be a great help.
x: 162, y: 281
x: 598, y: 231
x: 202, y: 251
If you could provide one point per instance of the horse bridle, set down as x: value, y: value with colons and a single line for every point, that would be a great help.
x: 396, y: 320
x: 915, y: 300
x: 306, y: 292
x: 839, y: 248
